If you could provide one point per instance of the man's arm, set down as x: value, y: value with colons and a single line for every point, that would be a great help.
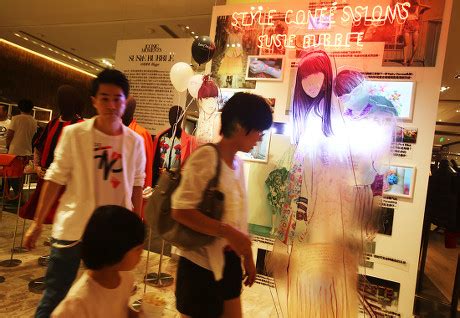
x: 48, y: 197
x: 9, y: 137
x: 136, y: 199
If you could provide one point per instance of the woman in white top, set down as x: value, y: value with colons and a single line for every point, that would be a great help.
x: 209, y: 280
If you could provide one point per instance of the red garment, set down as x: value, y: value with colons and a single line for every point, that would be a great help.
x: 11, y: 166
x: 148, y: 144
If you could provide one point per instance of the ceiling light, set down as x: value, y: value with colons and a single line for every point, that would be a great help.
x: 439, y: 119
x: 47, y: 57
x: 260, y: 8
x: 107, y: 63
x: 17, y: 34
x: 457, y: 76
x: 187, y: 27
x: 444, y: 88
x: 253, y: 8
x: 192, y: 32
x: 196, y: 36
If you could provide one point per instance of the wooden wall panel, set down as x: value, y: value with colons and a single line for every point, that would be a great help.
x: 25, y: 75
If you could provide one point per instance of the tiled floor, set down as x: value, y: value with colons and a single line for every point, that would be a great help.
x: 16, y: 300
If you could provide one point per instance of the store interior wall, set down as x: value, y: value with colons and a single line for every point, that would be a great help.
x: 25, y: 75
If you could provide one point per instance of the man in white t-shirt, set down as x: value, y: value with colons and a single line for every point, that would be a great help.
x: 21, y: 130
x: 4, y: 124
x: 99, y: 162
x: 19, y: 137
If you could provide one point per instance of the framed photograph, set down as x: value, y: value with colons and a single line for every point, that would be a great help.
x: 380, y: 297
x: 408, y: 135
x: 42, y: 114
x: 260, y: 151
x: 265, y: 68
x: 385, y: 221
x: 398, y: 181
x: 400, y: 94
x: 402, y: 46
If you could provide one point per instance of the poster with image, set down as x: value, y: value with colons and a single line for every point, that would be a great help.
x: 233, y: 46
x: 261, y: 68
x: 412, y: 42
x: 408, y: 135
x: 379, y: 297
x: 385, y: 221
x: 400, y: 94
x: 398, y: 181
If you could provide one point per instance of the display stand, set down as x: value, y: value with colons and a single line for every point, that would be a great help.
x: 20, y: 248
x: 159, y: 279
x: 37, y: 285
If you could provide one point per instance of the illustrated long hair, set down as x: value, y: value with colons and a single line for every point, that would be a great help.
x: 208, y: 88
x: 302, y: 104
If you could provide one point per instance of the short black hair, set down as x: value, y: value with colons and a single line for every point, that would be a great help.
x: 110, y: 233
x: 251, y: 111
x: 110, y: 76
x: 4, y: 106
x: 25, y: 106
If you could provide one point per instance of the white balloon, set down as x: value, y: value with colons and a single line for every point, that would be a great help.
x: 180, y: 75
x: 194, y: 85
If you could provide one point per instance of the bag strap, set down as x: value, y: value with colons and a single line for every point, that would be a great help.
x: 213, y: 183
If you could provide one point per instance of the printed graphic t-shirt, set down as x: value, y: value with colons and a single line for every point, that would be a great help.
x: 170, y: 158
x: 109, y: 182
x: 3, y: 129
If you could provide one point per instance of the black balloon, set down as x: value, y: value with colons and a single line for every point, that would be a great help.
x: 203, y: 49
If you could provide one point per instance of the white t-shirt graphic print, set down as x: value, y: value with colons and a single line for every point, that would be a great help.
x: 108, y: 169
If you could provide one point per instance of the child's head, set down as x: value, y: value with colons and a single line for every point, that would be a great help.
x: 114, y: 236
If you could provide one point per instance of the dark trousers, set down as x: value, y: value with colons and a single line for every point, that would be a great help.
x: 62, y: 269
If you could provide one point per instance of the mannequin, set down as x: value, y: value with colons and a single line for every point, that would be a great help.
x: 208, y: 128
x: 172, y: 146
x: 129, y: 120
